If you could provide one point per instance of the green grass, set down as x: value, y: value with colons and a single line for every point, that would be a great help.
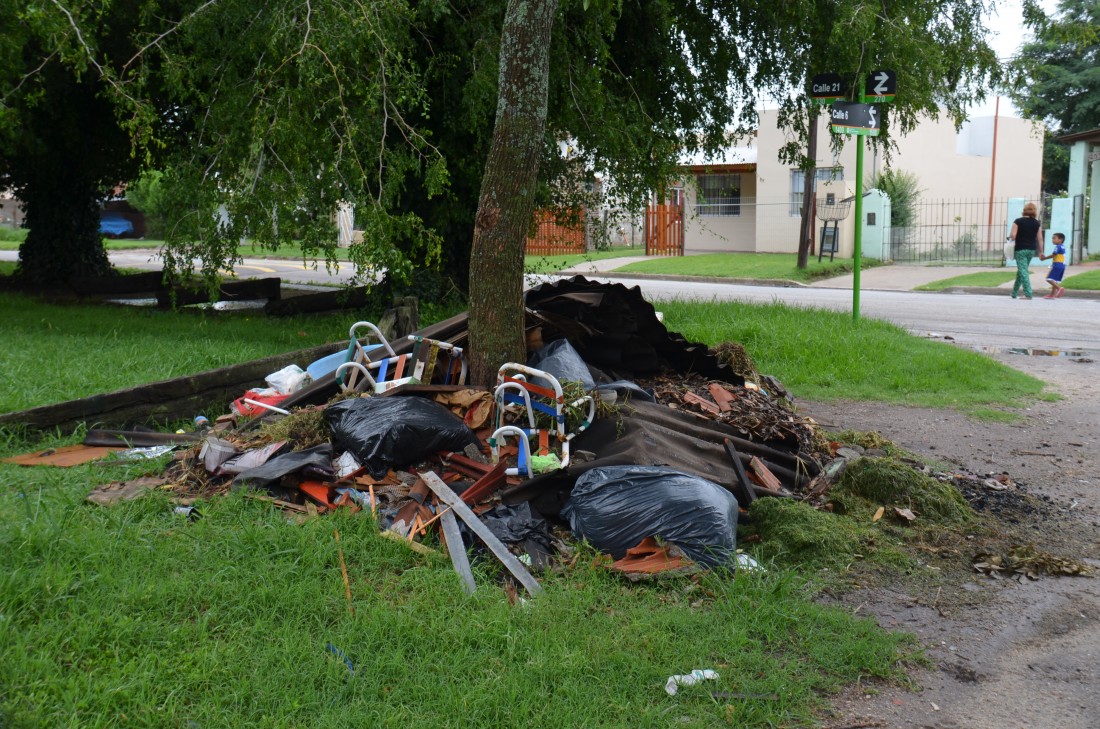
x: 990, y: 279
x: 10, y: 238
x: 824, y: 355
x: 133, y: 615
x: 781, y: 266
x: 55, y: 352
x: 1087, y: 281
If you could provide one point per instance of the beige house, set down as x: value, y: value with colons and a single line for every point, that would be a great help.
x: 747, y: 200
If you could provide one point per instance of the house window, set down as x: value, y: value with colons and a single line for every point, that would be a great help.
x: 718, y: 195
x: 798, y: 179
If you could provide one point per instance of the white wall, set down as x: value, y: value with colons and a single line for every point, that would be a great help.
x: 931, y: 152
x: 721, y: 233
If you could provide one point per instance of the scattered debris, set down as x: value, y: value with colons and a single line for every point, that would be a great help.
x: 1028, y: 561
x: 615, y: 431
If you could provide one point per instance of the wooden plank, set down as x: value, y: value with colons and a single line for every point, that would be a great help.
x: 496, y: 546
x: 66, y: 456
x: 486, y: 486
x: 459, y: 559
x: 743, y: 487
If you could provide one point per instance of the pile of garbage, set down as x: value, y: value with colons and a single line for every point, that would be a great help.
x: 615, y: 431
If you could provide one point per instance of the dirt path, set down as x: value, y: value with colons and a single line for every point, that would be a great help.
x: 1021, y: 655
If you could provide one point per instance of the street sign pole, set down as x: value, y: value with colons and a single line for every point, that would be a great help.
x: 860, y: 119
x: 857, y: 253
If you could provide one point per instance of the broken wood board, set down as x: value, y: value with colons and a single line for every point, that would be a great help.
x: 722, y: 396
x: 116, y: 491
x: 483, y: 532
x: 457, y: 550
x: 64, y: 457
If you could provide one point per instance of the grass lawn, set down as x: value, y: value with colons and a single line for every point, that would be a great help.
x: 133, y: 615
x: 745, y: 265
x: 10, y: 240
x: 990, y: 279
x: 823, y: 355
x: 1087, y: 281
x: 94, y: 349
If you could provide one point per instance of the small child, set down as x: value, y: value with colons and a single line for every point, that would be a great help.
x: 1057, y: 266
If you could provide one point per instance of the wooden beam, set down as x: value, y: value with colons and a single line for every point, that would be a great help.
x: 453, y: 539
x: 743, y: 487
x: 497, y: 547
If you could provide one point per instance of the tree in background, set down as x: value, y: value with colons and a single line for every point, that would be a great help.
x: 146, y: 193
x: 938, y: 50
x: 65, y: 138
x: 1055, y: 79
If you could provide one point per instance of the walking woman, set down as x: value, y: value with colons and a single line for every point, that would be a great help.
x: 1027, y: 232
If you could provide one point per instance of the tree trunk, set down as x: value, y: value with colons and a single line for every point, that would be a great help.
x: 64, y: 242
x: 508, y: 190
x: 806, y: 231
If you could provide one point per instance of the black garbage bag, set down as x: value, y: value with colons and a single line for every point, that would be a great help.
x: 616, y: 507
x: 562, y: 361
x: 317, y: 457
x: 388, y: 432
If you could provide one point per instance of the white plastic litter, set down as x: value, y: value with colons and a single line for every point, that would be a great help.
x: 747, y: 563
x: 346, y: 464
x: 689, y: 679
x: 289, y: 379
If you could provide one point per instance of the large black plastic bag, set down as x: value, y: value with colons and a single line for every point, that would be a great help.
x: 616, y: 507
x: 562, y: 361
x: 387, y: 432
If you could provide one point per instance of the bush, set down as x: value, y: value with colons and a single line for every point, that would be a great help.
x: 146, y: 193
x: 903, y: 189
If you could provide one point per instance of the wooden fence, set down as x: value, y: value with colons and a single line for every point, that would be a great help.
x: 556, y: 236
x: 664, y: 230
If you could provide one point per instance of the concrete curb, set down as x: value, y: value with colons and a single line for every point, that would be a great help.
x: 780, y: 282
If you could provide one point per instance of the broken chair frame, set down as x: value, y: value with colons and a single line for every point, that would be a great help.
x: 360, y: 370
x: 517, y: 395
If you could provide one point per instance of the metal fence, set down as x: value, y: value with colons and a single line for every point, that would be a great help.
x: 952, y: 231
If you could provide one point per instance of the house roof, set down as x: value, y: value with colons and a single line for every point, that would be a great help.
x: 1092, y: 135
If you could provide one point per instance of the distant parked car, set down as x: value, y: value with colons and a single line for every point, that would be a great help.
x: 114, y: 225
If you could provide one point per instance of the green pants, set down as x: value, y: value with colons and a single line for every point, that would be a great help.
x: 1023, y: 276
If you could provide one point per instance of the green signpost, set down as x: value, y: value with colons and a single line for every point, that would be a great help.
x: 862, y: 119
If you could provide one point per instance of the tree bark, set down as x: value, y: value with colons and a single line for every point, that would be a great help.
x: 507, y: 196
x: 64, y: 242
x: 806, y: 231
